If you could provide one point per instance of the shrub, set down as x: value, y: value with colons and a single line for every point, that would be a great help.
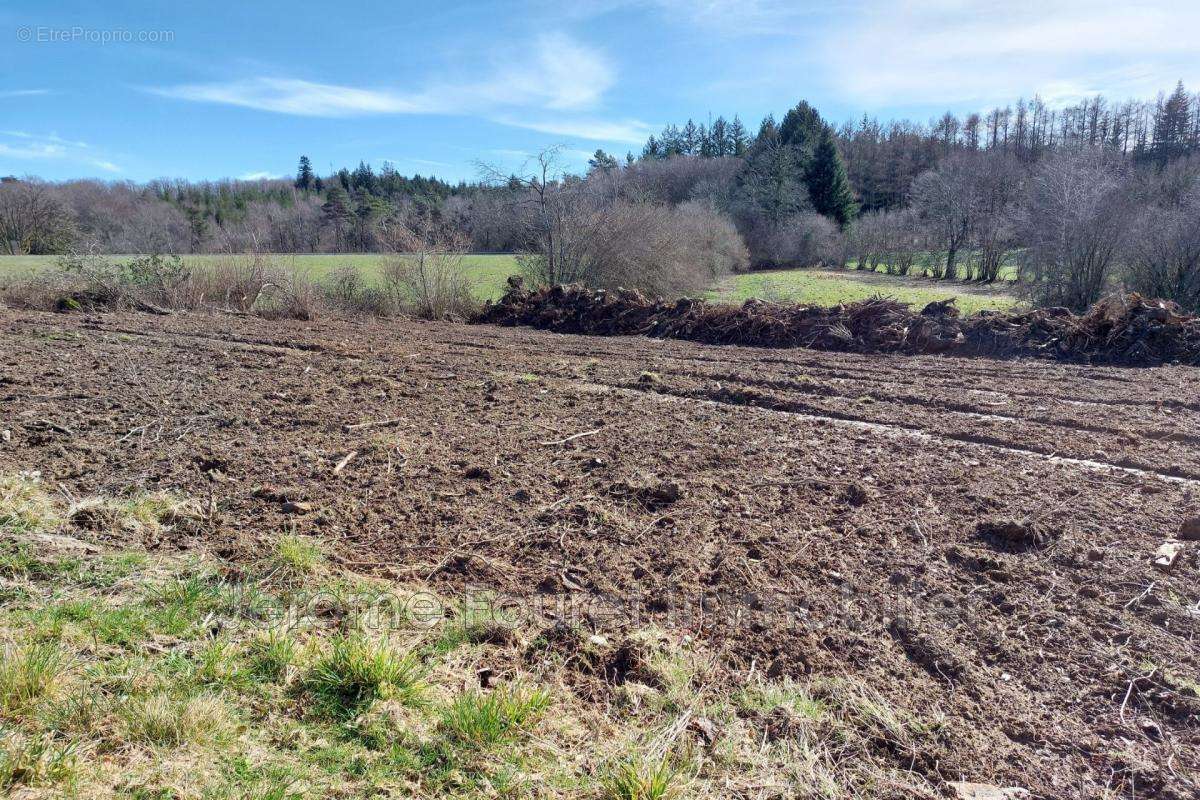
x: 801, y: 240
x: 425, y: 276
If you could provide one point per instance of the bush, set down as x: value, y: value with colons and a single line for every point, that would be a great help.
x: 1163, y: 253
x: 426, y: 277
x: 345, y: 290
x: 801, y: 240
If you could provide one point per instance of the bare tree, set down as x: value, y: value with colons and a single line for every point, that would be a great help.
x: 558, y: 217
x: 1164, y: 245
x: 1073, y: 224
x: 945, y: 201
x: 32, y: 219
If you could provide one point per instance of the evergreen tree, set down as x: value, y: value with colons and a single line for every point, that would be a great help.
x: 652, y: 149
x: 363, y: 179
x: 718, y: 138
x: 768, y: 131
x: 304, y: 175
x: 828, y: 187
x: 801, y: 128
x: 335, y: 212
x: 1171, y: 127
x: 602, y: 162
x: 690, y: 139
x: 739, y: 140
x: 671, y: 141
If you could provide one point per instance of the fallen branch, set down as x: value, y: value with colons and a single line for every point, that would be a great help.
x: 341, y: 465
x: 572, y: 438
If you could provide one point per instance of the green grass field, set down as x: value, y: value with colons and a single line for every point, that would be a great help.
x: 489, y: 272
x: 830, y: 287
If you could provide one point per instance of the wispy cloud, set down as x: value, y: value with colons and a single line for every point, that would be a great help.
x: 24, y: 145
x: 258, y: 176
x: 625, y: 131
x: 7, y: 93
x: 965, y: 50
x: 556, y: 74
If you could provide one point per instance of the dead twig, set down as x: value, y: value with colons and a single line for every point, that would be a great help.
x: 572, y: 438
x: 341, y: 465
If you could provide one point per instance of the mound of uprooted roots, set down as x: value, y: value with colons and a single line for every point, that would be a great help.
x: 1122, y: 329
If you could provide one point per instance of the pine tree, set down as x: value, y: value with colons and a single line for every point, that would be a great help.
x: 718, y: 138
x: 801, y: 128
x: 363, y: 178
x: 335, y: 212
x: 304, y: 175
x: 828, y: 187
x: 739, y: 140
x: 602, y: 162
x: 652, y: 149
x: 1171, y: 127
x: 671, y: 141
x: 690, y: 139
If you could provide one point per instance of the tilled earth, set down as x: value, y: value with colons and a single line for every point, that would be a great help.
x: 972, y: 537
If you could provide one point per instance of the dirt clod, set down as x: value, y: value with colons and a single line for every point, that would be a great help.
x: 1190, y: 529
x: 1014, y: 535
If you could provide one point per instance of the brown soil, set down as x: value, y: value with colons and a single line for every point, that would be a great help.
x: 972, y: 537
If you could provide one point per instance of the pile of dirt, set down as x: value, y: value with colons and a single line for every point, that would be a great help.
x: 1122, y: 329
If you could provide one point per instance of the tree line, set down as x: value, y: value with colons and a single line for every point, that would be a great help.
x: 979, y: 197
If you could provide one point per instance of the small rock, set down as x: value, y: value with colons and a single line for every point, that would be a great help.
x: 1167, y: 554
x: 598, y: 640
x: 295, y: 507
x: 54, y: 541
x: 6, y: 435
x: 1190, y: 529
x: 1151, y: 729
x: 965, y: 790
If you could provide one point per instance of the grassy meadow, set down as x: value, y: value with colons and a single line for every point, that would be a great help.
x: 830, y: 287
x: 488, y: 273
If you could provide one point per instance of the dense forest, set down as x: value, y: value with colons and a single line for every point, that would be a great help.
x: 1064, y: 195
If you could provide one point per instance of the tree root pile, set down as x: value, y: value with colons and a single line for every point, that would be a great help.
x: 1121, y: 329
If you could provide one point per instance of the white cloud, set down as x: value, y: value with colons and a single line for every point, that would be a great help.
x: 23, y: 93
x: 258, y: 176
x: 897, y: 51
x: 558, y: 73
x: 29, y: 146
x: 627, y: 131
x: 555, y: 74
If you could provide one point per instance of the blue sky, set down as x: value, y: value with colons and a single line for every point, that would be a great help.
x: 133, y: 91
